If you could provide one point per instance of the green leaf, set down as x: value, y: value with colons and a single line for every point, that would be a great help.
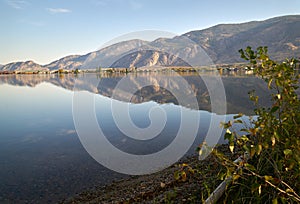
x: 273, y: 140
x: 222, y: 176
x: 235, y: 177
x: 229, y: 135
x: 287, y: 152
x: 231, y: 146
x: 226, y: 125
x: 244, y: 138
x: 238, y: 121
x: 274, y: 109
x: 238, y: 116
x: 246, y: 148
x: 258, y: 149
x: 244, y: 130
x: 269, y: 83
x: 250, y: 167
x: 243, y: 56
x: 268, y: 178
x: 177, y: 175
x: 183, y: 176
x: 252, y: 151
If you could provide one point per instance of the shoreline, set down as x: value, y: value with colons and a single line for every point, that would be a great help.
x: 219, y: 67
x: 160, y: 187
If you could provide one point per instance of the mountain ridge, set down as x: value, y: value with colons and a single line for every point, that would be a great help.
x: 24, y: 66
x: 220, y: 42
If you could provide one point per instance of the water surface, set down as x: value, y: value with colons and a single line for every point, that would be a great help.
x: 41, y: 157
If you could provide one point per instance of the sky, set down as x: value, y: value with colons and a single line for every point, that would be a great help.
x: 47, y: 30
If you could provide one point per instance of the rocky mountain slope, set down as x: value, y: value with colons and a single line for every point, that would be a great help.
x: 218, y: 44
x: 23, y: 66
x: 106, y: 56
x: 71, y: 62
x: 281, y: 35
x: 149, y: 58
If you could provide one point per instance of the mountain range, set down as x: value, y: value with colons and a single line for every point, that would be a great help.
x: 215, y: 45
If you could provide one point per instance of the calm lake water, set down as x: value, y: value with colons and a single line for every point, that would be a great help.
x: 41, y: 157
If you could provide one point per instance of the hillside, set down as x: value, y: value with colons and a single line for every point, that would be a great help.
x: 221, y: 43
x: 23, y: 66
x: 149, y: 58
x: 71, y: 62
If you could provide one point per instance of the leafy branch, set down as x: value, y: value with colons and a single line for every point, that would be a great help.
x: 271, y: 139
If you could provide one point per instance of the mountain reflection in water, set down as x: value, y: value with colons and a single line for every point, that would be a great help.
x: 237, y: 86
x: 41, y: 157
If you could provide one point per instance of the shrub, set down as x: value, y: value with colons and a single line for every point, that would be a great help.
x: 270, y: 173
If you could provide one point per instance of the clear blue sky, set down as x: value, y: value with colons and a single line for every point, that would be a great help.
x: 46, y: 30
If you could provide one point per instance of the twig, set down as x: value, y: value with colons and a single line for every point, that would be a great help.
x: 219, y: 191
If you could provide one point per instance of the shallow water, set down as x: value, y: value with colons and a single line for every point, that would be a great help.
x: 42, y: 158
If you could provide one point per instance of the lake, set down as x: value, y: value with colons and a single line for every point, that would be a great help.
x: 43, y: 157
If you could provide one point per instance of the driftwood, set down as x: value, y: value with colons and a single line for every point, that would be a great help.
x: 219, y: 191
